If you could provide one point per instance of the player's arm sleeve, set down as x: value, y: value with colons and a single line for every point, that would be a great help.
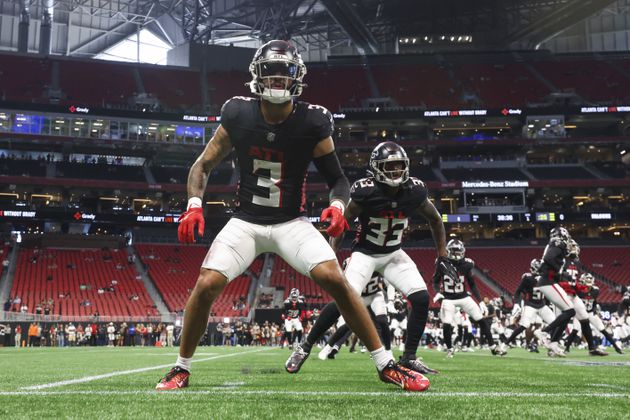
x: 329, y: 166
x: 436, y: 281
x: 229, y: 113
x: 553, y: 258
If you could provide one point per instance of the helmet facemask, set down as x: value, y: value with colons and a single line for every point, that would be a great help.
x: 277, y: 80
x: 393, y: 171
x: 455, y: 250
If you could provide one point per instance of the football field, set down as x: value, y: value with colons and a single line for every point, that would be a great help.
x: 250, y: 382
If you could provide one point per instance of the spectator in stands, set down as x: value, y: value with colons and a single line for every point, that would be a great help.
x: 24, y: 308
x: 5, y: 265
x: 17, y: 303
x: 7, y: 305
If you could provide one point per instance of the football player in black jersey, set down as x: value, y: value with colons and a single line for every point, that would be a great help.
x: 275, y: 137
x: 383, y: 203
x: 452, y: 294
x: 550, y: 274
x: 533, y: 305
x: 292, y: 316
x: 374, y: 298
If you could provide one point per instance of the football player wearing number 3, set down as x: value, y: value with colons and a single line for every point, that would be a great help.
x: 383, y: 202
x: 275, y: 137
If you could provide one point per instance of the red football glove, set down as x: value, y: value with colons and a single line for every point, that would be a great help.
x: 338, y: 223
x: 187, y: 221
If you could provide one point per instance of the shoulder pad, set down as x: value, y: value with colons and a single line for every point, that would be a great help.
x: 469, y: 261
x: 416, y: 182
x: 557, y: 243
x: 321, y: 118
x: 361, y: 188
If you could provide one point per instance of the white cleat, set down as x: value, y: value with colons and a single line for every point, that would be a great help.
x: 323, y: 354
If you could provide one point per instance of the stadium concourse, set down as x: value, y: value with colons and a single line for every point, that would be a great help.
x: 161, y: 160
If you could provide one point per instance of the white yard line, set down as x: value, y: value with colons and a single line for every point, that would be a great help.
x: 127, y: 372
x: 392, y: 393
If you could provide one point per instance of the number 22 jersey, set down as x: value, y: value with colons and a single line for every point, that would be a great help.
x: 384, y: 217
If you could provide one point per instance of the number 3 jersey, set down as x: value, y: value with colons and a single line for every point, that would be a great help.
x: 384, y: 217
x: 273, y: 158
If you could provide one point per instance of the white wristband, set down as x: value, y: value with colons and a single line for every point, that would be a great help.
x: 193, y: 202
x: 339, y: 204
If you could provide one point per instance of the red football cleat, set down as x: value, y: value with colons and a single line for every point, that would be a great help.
x: 405, y: 378
x: 176, y: 378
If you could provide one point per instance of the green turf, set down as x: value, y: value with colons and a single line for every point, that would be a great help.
x: 251, y: 383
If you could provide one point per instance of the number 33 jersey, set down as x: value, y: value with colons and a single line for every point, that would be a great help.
x: 273, y: 158
x: 384, y: 217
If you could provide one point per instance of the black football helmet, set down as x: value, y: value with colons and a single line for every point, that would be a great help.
x: 535, y: 265
x: 385, y: 164
x: 560, y: 234
x: 455, y: 250
x: 277, y: 71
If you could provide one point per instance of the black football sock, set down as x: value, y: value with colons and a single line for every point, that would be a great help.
x: 382, y: 326
x: 515, y: 334
x: 556, y: 328
x: 341, y: 341
x: 467, y: 338
x: 448, y: 335
x: 327, y: 318
x: 610, y: 339
x: 588, y: 333
x: 338, y: 335
x: 460, y: 335
x: 570, y: 340
x: 416, y: 321
x: 298, y: 336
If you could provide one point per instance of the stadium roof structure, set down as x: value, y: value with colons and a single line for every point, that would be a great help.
x: 86, y: 28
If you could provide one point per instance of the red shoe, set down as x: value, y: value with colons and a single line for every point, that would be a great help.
x: 405, y: 378
x: 176, y: 378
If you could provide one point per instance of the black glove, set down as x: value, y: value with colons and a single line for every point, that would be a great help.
x: 445, y: 268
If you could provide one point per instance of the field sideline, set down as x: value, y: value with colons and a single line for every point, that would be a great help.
x: 251, y: 382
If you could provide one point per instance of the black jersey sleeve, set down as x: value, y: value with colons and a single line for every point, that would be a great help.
x: 321, y: 120
x: 554, y: 255
x: 521, y: 288
x: 419, y: 190
x: 361, y: 190
x: 229, y: 113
